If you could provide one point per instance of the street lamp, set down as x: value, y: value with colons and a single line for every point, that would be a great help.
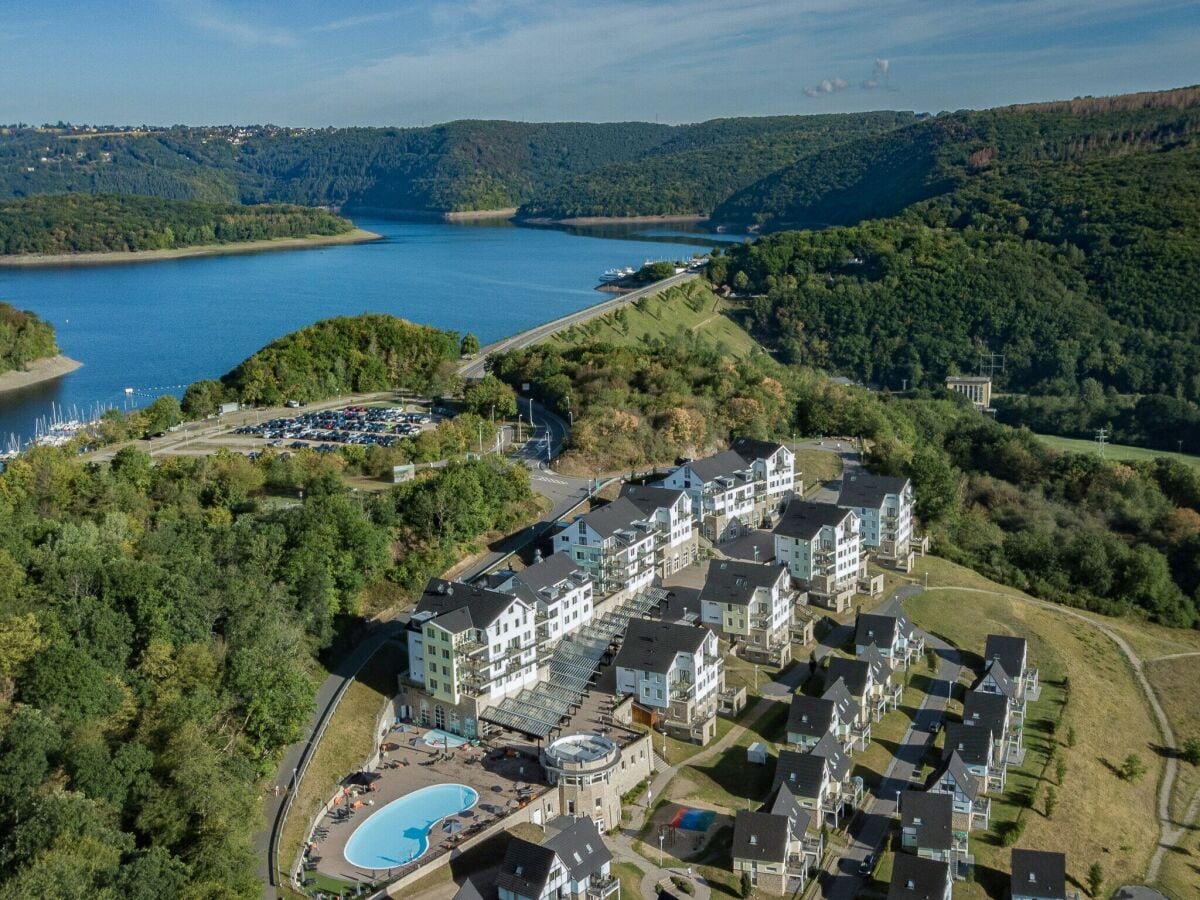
x: 660, y: 850
x: 756, y: 678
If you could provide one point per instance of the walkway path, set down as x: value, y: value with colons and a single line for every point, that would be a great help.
x: 1170, y: 833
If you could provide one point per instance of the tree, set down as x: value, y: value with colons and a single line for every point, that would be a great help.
x: 1071, y: 736
x: 1051, y: 802
x: 1095, y: 877
x: 1060, y: 770
x: 162, y: 414
x: 747, y: 887
x: 203, y: 398
x: 489, y: 393
x: 469, y: 345
x: 1190, y: 752
x: 1132, y: 768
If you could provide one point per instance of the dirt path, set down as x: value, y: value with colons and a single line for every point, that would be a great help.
x: 1174, y: 656
x: 1170, y: 834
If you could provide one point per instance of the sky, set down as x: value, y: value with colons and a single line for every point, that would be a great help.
x: 348, y: 62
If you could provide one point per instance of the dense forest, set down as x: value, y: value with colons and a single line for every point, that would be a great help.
x: 159, y: 624
x: 372, y: 352
x: 91, y: 223
x: 1076, y: 529
x: 23, y: 338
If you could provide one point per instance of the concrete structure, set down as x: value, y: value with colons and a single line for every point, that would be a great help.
x: 592, y: 772
x: 977, y: 389
x: 884, y: 506
x: 674, y: 673
x: 737, y: 490
x: 750, y: 606
x: 468, y: 649
x: 821, y: 547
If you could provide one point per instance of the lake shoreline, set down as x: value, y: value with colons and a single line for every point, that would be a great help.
x: 120, y: 257
x: 39, y: 370
x: 432, y: 215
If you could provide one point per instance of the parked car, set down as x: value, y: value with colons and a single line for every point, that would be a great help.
x: 868, y: 863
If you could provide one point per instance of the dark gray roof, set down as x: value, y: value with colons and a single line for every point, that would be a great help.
x: 471, y: 891
x: 458, y: 607
x: 651, y: 499
x: 1039, y: 873
x: 1009, y: 649
x: 880, y: 667
x: 972, y: 742
x: 620, y: 515
x: 931, y: 816
x: 780, y: 802
x: 868, y: 491
x: 548, y: 575
x: 579, y: 846
x: 731, y: 581
x: 810, y: 716
x: 525, y: 868
x: 987, y: 710
x: 681, y: 604
x: 843, y: 699
x: 918, y: 878
x: 872, y: 629
x: 803, y: 519
x: 837, y: 758
x: 854, y: 672
x: 1000, y: 676
x: 750, y: 449
x: 651, y: 645
x: 745, y: 546
x: 802, y: 772
x: 966, y: 782
x: 760, y: 835
x: 722, y: 465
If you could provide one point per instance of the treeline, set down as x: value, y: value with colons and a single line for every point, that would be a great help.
x: 158, y: 625
x: 84, y: 223
x: 372, y: 352
x: 1106, y: 536
x: 1073, y: 272
x: 23, y: 338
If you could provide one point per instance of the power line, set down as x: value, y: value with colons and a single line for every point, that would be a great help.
x: 1101, y: 439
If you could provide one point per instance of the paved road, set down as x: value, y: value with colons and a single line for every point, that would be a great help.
x: 475, y: 368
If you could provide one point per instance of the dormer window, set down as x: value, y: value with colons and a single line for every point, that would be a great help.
x: 754, y: 840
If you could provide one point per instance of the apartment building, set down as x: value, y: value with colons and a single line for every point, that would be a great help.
x: 821, y: 547
x: 736, y: 491
x: 561, y: 593
x: 615, y: 544
x: 750, y: 605
x: 675, y: 672
x: 672, y: 511
x: 468, y: 649
x: 884, y: 506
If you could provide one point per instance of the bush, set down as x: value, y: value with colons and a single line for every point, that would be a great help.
x: 1191, y: 751
x: 1095, y: 877
x: 1132, y: 768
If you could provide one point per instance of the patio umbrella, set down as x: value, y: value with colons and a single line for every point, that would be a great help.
x: 452, y: 825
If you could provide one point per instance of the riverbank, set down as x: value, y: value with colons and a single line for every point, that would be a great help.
x: 585, y: 221
x: 39, y: 370
x: 357, y: 236
x: 433, y: 215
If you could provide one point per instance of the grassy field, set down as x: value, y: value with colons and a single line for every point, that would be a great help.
x: 688, y: 308
x: 816, y: 466
x: 347, y: 743
x: 1105, y: 707
x: 1176, y: 682
x: 1115, y: 451
x: 630, y: 877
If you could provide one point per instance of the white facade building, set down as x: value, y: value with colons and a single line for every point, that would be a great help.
x: 821, y: 548
x: 560, y: 591
x: 750, y: 605
x: 884, y: 506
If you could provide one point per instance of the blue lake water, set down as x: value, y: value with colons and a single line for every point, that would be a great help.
x: 156, y: 327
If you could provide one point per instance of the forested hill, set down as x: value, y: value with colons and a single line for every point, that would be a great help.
x: 90, y: 223
x: 875, y: 176
x: 23, y: 338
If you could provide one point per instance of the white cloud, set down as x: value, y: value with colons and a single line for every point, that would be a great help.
x: 222, y: 23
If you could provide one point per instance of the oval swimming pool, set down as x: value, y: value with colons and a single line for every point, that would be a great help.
x: 399, y: 833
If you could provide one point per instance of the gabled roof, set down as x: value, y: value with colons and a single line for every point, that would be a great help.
x: 781, y: 802
x: 548, y: 575
x: 750, y: 449
x: 731, y: 581
x: 457, y: 607
x: 854, y: 672
x: 760, y: 835
x: 1039, y: 873
x: 754, y: 546
x: 803, y: 773
x: 972, y: 742
x: 930, y: 816
x: 811, y: 716
x: 723, y: 465
x: 918, y: 878
x: 847, y: 708
x: 880, y: 667
x: 837, y: 758
x: 1009, y: 649
x: 957, y: 769
x: 875, y: 630
x: 987, y: 710
x: 1000, y: 676
x: 579, y: 845
x: 525, y: 868
x: 866, y: 491
x: 651, y: 499
x: 651, y: 645
x: 803, y: 519
x: 620, y: 515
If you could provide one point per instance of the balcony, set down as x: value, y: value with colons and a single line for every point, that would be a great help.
x: 601, y: 886
x: 683, y: 690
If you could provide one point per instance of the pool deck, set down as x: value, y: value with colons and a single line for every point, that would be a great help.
x: 491, y: 773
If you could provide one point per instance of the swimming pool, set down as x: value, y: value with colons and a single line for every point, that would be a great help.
x: 435, y: 737
x: 399, y: 833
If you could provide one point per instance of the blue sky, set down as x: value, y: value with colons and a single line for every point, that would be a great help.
x: 315, y: 62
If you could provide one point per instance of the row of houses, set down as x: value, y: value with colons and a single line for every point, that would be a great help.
x: 1036, y: 875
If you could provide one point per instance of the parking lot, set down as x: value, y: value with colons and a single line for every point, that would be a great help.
x: 381, y: 426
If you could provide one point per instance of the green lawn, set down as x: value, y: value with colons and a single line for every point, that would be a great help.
x: 690, y: 307
x: 630, y: 877
x: 1115, y: 451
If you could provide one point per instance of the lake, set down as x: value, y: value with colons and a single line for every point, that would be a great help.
x: 157, y: 327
